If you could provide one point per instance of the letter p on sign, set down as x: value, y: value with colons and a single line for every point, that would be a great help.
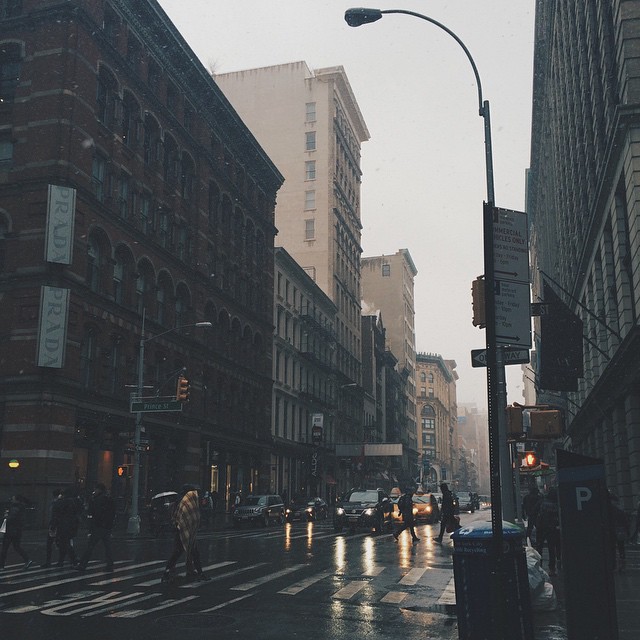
x: 583, y: 494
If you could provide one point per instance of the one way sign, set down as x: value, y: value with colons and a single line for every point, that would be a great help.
x: 510, y: 355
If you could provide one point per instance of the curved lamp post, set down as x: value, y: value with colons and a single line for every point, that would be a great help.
x: 496, y: 386
x: 133, y: 526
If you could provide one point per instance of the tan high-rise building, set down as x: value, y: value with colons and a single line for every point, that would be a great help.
x: 309, y: 123
x: 387, y: 284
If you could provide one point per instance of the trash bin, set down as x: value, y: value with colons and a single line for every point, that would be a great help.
x: 473, y: 572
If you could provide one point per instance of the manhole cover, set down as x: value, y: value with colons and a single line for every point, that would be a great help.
x: 195, y: 620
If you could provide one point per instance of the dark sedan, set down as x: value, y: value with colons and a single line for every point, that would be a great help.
x: 307, y: 510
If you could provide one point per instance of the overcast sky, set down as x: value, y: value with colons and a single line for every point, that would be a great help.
x: 424, y: 166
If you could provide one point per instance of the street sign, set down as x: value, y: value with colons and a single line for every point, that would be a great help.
x: 540, y: 309
x: 510, y: 245
x: 146, y: 406
x: 513, y: 318
x: 510, y: 355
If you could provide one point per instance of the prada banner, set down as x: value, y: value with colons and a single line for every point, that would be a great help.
x: 61, y: 212
x: 52, y: 331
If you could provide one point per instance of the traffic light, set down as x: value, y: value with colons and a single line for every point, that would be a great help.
x: 182, y: 390
x: 478, y: 306
x: 122, y: 471
x: 530, y: 459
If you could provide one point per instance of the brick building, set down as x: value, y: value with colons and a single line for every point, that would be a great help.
x: 129, y: 188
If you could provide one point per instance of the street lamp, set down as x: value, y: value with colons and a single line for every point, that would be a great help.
x: 496, y: 387
x: 133, y: 526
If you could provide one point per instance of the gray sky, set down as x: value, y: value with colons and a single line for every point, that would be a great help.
x: 423, y: 169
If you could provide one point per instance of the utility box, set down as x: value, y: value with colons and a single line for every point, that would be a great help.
x: 545, y: 425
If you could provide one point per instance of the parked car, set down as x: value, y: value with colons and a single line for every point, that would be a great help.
x: 259, y: 508
x: 369, y: 508
x: 307, y: 509
x: 456, y: 501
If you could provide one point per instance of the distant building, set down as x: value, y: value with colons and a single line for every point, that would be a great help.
x: 131, y: 193
x: 473, y: 433
x: 304, y: 389
x: 438, y: 417
x: 310, y: 124
x: 388, y: 285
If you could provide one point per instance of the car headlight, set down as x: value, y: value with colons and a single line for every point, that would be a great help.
x: 415, y: 511
x: 339, y: 511
x: 428, y: 508
x: 288, y: 511
x: 369, y: 512
x: 309, y: 509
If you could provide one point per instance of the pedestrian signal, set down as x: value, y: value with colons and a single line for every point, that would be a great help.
x: 122, y: 470
x: 530, y: 459
x: 182, y: 390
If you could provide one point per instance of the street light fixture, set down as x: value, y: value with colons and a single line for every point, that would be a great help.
x: 133, y: 526
x: 496, y: 386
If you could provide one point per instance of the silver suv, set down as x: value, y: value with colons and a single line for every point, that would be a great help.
x: 262, y: 509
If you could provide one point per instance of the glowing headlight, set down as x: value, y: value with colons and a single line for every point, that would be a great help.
x: 339, y: 511
x: 428, y: 509
x: 415, y: 511
x: 369, y: 512
x: 288, y: 511
x: 309, y: 509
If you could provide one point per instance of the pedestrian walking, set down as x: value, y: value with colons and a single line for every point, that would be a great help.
x: 186, y: 522
x: 548, y: 530
x: 66, y: 519
x: 446, y: 510
x: 14, y: 518
x: 405, y: 504
x: 51, y: 531
x: 530, y: 506
x: 620, y: 525
x: 101, y: 514
x: 206, y: 507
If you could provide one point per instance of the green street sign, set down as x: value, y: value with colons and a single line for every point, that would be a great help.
x: 146, y: 406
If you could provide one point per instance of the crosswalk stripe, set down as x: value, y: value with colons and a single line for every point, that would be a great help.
x: 413, y: 576
x: 394, y: 597
x: 268, y: 578
x: 303, y: 584
x: 108, y: 599
x: 136, y: 613
x: 121, y: 605
x: 350, y: 590
x: 221, y: 576
x: 227, y: 603
x: 373, y: 571
x: 448, y: 596
x: 139, y: 574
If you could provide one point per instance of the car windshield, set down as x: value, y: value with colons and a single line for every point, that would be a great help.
x: 363, y: 496
x: 255, y: 501
x: 422, y: 499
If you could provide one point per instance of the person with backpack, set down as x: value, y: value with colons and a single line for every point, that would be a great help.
x: 65, y: 517
x: 405, y: 505
x: 530, y: 506
x: 548, y: 529
x: 51, y: 531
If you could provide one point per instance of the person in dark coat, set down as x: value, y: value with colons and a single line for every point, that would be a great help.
x: 447, y: 510
x: 15, y: 516
x: 101, y: 513
x: 66, y: 518
x: 548, y: 529
x: 51, y: 532
x: 405, y: 504
x: 530, y: 506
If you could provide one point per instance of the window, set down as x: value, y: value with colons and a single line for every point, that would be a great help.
x: 423, y: 376
x: 106, y: 97
x: 310, y: 234
x: 386, y: 270
x: 171, y: 160
x: 144, y: 213
x: 134, y: 52
x: 123, y: 196
x: 10, y: 8
x: 310, y: 140
x: 88, y: 358
x: 130, y: 120
x: 119, y: 271
x: 309, y: 200
x: 423, y: 392
x: 153, y: 75
x: 98, y: 177
x: 151, y: 140
x: 10, y: 63
x: 188, y: 117
x: 94, y: 260
x: 164, y: 231
x: 110, y: 26
x: 310, y: 170
x: 310, y: 112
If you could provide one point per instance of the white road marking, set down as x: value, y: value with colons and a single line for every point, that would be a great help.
x: 226, y: 604
x: 221, y: 576
x: 303, y: 584
x: 350, y: 590
x: 272, y: 576
x: 136, y: 613
x: 413, y: 576
x: 394, y: 597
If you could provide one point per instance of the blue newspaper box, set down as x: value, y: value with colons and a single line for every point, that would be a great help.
x: 478, y: 590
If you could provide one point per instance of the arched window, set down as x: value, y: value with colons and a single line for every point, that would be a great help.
x: 144, y: 284
x: 214, y: 204
x: 163, y: 299
x: 188, y: 177
x: 171, y: 160
x: 122, y: 270
x: 106, y: 97
x: 152, y: 140
x: 423, y: 376
x: 182, y: 306
x: 130, y: 120
x: 94, y: 262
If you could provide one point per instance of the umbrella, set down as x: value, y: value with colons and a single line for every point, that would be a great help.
x: 164, y: 494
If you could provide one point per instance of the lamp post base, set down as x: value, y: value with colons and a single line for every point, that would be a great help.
x: 133, y: 526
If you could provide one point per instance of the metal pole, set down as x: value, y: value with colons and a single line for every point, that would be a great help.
x: 133, y: 526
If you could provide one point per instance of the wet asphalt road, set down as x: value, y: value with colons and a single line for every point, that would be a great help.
x: 292, y: 581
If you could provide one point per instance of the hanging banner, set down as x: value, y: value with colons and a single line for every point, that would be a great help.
x: 61, y: 213
x: 52, y: 331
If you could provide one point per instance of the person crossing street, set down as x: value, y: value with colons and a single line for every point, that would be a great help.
x: 405, y: 504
